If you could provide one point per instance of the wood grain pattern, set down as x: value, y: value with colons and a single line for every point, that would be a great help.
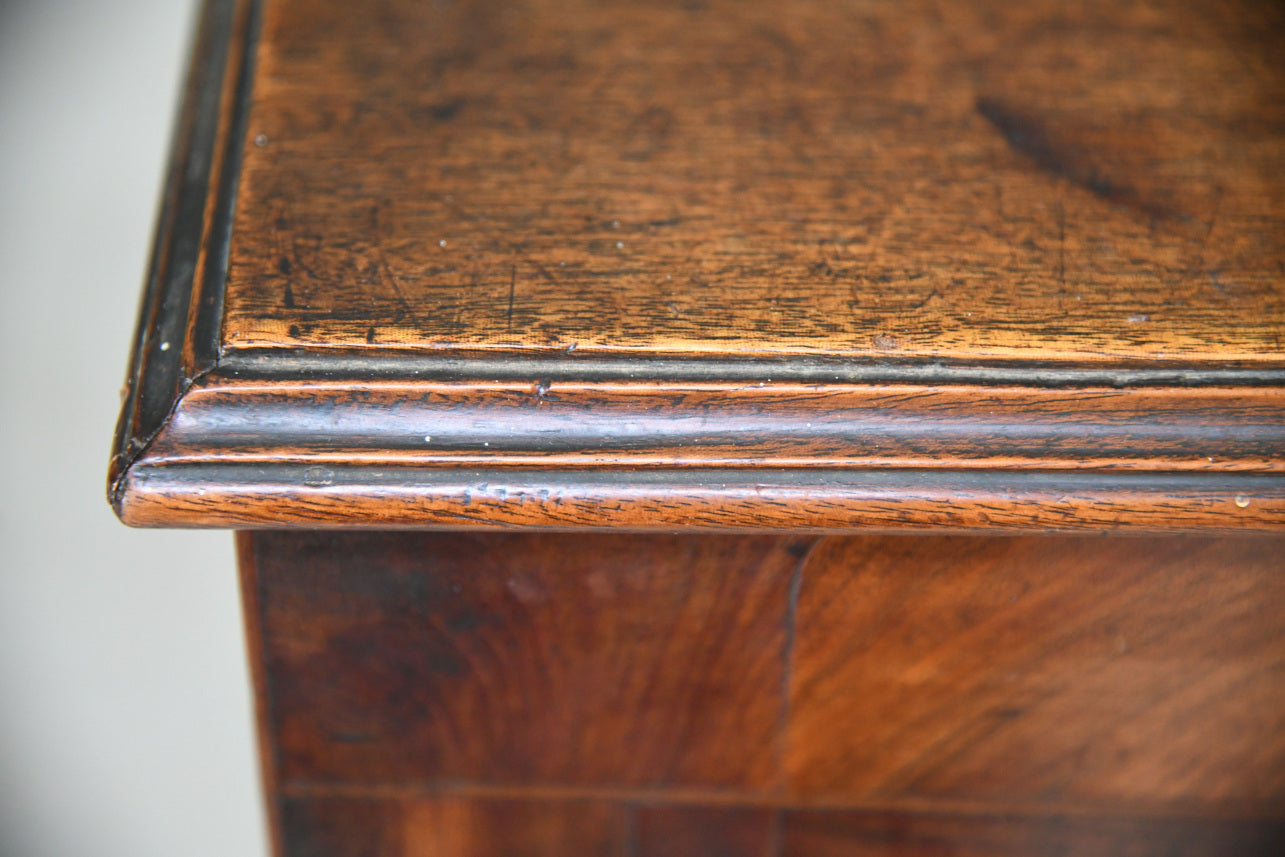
x: 667, y: 455
x: 293, y: 496
x: 858, y: 267
x: 1092, y: 182
x: 665, y: 425
x: 1068, y: 671
x: 733, y: 266
x: 640, y: 661
x: 976, y: 677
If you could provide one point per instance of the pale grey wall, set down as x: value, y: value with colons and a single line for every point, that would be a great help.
x: 125, y: 723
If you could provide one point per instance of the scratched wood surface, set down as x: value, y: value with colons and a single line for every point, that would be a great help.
x: 846, y: 266
x: 476, y: 453
x: 1089, y: 182
x: 469, y: 695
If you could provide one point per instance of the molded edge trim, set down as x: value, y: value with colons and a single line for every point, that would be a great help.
x: 664, y: 456
x: 546, y: 425
x: 175, y: 341
x: 374, y: 363
x: 194, y: 430
x: 727, y: 500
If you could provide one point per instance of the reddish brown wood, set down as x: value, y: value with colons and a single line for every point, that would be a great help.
x: 773, y: 695
x: 843, y: 834
x: 1109, y: 673
x: 853, y: 267
x: 732, y: 266
x: 449, y: 826
x: 715, y: 456
x: 711, y: 425
x: 648, y: 661
x: 490, y: 827
x: 251, y: 608
x: 307, y: 495
x: 706, y: 831
x: 1094, y: 182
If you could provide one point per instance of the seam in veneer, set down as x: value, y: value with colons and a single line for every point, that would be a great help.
x: 787, y: 665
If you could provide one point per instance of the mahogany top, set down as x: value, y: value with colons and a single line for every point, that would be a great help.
x: 632, y: 263
x: 1092, y: 182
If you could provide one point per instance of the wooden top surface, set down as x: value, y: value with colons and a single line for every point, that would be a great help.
x: 812, y: 266
x: 1089, y: 182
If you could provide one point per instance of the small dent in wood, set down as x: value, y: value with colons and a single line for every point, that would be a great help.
x: 318, y: 477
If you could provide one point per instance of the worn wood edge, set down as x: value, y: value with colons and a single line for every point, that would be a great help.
x: 178, y: 347
x: 428, y: 361
x: 252, y: 619
x: 205, y: 311
x: 705, y: 456
x: 711, y: 457
x: 176, y: 336
x: 542, y: 424
x: 697, y: 500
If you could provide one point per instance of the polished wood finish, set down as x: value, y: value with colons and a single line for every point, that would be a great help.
x: 714, y: 456
x: 712, y: 266
x: 1088, y: 182
x: 1064, y: 671
x: 772, y: 695
x: 526, y: 658
x: 778, y: 331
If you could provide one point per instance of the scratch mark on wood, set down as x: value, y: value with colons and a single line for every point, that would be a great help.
x: 1061, y: 244
x: 403, y: 306
x: 513, y: 286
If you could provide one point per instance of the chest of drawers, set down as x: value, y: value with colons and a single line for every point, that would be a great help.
x: 736, y: 429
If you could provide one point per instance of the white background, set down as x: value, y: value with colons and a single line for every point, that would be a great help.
x: 125, y: 712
